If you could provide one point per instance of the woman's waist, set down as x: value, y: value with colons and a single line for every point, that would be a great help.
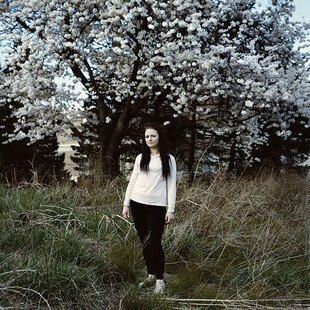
x: 154, y: 197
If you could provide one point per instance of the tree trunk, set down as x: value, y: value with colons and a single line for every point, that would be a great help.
x: 232, y: 156
x: 192, y: 145
x: 110, y: 158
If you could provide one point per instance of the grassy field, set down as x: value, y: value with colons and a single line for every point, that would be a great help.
x: 236, y: 242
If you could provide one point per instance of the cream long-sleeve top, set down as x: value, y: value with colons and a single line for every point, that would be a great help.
x: 151, y: 187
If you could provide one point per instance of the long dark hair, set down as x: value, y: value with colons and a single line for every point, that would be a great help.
x: 162, y: 146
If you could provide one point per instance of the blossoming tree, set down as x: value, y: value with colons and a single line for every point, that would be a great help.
x: 213, y: 61
x: 260, y: 77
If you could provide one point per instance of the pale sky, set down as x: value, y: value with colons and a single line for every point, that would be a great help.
x: 302, y: 9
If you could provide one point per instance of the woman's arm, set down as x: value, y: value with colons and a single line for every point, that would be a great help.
x: 132, y: 181
x: 171, y: 185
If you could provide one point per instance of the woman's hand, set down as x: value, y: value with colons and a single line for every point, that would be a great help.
x: 126, y: 212
x: 169, y: 217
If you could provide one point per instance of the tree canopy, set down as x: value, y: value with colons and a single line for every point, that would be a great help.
x: 230, y: 72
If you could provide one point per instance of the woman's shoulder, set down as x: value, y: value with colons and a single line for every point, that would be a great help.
x: 139, y: 156
x: 138, y: 159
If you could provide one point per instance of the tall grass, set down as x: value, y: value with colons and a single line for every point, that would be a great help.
x: 234, y: 238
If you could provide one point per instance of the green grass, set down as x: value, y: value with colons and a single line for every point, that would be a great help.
x: 68, y: 248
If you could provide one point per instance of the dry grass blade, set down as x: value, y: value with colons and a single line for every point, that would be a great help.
x: 49, y: 216
x: 23, y: 290
x: 246, y: 303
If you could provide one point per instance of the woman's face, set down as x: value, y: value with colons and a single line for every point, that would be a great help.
x: 151, y: 138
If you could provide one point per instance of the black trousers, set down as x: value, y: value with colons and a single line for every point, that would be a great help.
x: 150, y: 222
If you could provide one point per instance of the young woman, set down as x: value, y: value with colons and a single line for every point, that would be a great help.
x: 150, y: 198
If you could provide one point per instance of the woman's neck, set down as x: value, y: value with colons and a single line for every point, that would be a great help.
x: 154, y: 151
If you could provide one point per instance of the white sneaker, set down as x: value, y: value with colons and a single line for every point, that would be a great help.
x: 147, y: 282
x: 159, y: 287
